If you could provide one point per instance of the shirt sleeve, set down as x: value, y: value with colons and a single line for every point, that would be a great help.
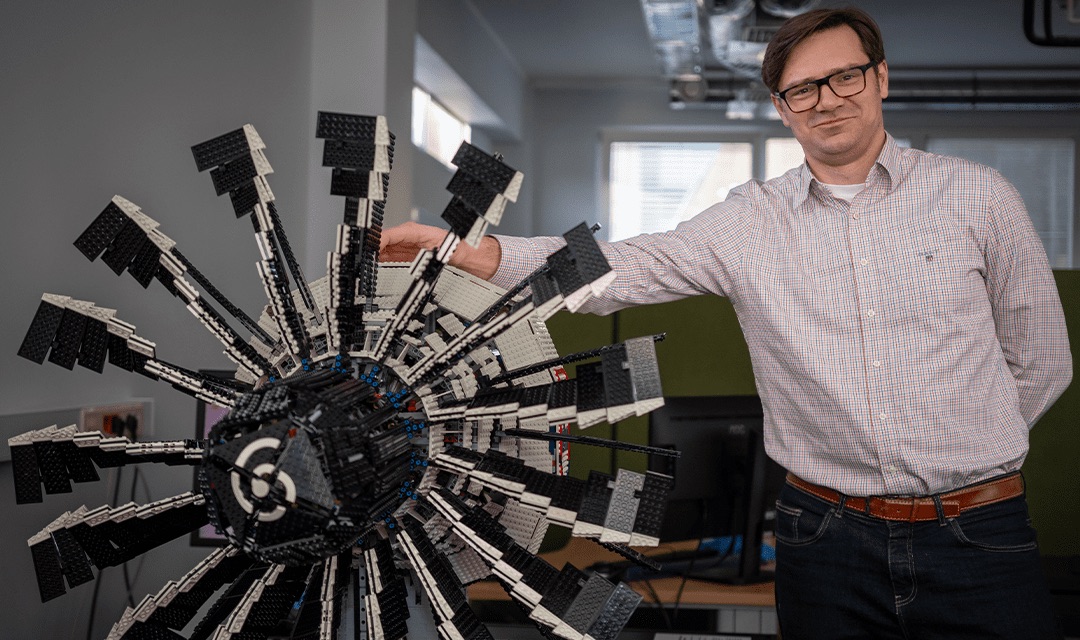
x: 701, y: 255
x: 1027, y: 309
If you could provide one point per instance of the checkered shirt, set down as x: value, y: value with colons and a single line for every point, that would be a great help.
x: 902, y: 344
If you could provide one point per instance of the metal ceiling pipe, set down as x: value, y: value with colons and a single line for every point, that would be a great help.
x: 910, y: 88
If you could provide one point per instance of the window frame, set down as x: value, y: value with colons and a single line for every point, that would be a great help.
x: 756, y: 139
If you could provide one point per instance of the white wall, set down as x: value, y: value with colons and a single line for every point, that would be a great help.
x: 489, y: 89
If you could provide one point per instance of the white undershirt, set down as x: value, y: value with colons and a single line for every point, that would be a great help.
x: 845, y: 191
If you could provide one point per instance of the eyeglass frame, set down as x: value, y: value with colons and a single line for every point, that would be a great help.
x: 820, y: 82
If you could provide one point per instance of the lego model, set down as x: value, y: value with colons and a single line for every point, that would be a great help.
x: 384, y: 418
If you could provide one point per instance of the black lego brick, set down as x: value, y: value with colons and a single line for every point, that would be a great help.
x: 136, y: 536
x: 125, y: 247
x: 517, y: 557
x: 349, y: 154
x: 618, y: 385
x: 563, y: 394
x: 79, y: 465
x: 543, y: 287
x: 138, y: 365
x: 233, y: 174
x: 539, y: 575
x: 653, y: 505
x: 565, y: 273
x: 119, y: 353
x: 532, y: 396
x: 594, y: 504
x: 101, y: 231
x: 27, y: 476
x: 42, y: 332
x: 95, y: 343
x: 503, y: 466
x: 486, y: 169
x: 145, y: 264
x: 348, y: 183
x: 564, y: 588
x: 346, y: 126
x: 244, y: 198
x: 150, y: 631
x: 73, y: 562
x: 588, y: 603
x: 568, y: 493
x: 68, y: 339
x: 352, y: 211
x: 590, y: 387
x: 460, y: 217
x: 221, y: 149
x: 469, y: 626
x: 473, y: 193
x: 50, y: 576
x: 228, y: 600
x: 540, y: 483
x: 588, y: 257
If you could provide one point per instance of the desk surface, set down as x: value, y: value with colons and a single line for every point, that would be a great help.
x: 581, y: 553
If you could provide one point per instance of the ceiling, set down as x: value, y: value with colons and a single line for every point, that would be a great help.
x: 568, y: 41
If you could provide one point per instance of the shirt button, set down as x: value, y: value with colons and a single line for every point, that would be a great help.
x: 870, y: 313
x: 877, y: 363
x: 864, y: 262
x: 855, y: 215
x: 882, y: 415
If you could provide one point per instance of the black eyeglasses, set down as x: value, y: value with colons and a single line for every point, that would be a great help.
x: 846, y: 83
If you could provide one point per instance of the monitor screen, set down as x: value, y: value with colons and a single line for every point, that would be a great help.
x: 725, y: 485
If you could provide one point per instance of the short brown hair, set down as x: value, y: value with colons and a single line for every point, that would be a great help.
x: 799, y: 28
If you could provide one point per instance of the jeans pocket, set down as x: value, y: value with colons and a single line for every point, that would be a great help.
x: 1003, y: 527
x: 800, y: 526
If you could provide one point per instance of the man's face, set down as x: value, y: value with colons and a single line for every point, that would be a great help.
x: 838, y: 131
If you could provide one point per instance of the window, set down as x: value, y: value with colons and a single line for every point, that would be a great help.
x: 1042, y: 170
x: 656, y: 185
x: 436, y: 130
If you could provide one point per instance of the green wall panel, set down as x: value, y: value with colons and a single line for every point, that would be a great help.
x: 1052, y: 468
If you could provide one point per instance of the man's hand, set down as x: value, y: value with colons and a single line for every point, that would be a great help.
x: 403, y: 242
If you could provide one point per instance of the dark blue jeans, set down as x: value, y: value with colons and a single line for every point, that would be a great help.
x: 844, y: 574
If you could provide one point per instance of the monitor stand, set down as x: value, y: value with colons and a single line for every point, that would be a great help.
x: 748, y: 570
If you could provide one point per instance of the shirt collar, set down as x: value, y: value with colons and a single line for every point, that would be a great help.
x: 888, y: 166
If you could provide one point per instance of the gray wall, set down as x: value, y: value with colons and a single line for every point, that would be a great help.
x: 496, y: 93
x: 107, y: 98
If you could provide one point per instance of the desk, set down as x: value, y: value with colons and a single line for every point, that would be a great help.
x: 748, y: 608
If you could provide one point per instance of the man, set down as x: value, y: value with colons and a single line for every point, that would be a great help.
x: 906, y: 333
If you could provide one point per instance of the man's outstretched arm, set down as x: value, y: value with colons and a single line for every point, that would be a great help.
x: 401, y: 243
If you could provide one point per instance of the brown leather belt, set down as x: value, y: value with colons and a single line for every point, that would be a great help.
x: 920, y: 509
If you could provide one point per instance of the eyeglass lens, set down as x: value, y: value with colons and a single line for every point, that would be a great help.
x: 844, y: 84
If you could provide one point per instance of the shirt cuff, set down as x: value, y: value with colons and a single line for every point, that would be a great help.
x: 522, y: 256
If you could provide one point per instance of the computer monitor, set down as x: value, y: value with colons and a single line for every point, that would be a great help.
x: 725, y: 485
